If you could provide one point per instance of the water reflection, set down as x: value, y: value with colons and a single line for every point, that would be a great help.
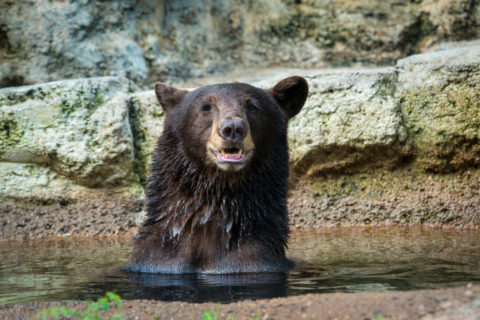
x: 203, y: 288
x: 329, y: 260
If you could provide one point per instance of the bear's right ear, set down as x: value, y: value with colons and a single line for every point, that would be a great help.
x: 169, y: 97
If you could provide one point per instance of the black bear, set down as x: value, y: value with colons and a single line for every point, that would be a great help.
x: 216, y: 193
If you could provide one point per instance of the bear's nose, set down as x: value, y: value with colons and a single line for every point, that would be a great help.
x: 233, y: 130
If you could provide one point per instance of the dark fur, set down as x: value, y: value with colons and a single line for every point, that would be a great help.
x: 203, y: 219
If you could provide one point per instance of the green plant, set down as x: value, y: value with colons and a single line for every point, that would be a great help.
x: 93, y: 309
x: 209, y: 315
x: 378, y: 316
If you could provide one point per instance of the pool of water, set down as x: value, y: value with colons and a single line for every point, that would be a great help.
x: 328, y: 260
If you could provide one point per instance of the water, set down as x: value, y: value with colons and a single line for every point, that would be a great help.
x: 341, y: 259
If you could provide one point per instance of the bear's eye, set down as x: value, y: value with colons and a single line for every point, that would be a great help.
x: 206, y: 108
x: 252, y: 106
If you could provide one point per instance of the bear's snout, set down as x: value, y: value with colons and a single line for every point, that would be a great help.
x: 230, y: 145
x: 233, y: 129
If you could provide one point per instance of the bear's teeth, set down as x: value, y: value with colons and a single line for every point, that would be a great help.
x: 230, y: 152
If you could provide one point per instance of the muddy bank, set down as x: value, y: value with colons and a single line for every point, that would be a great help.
x: 102, y: 216
x: 452, y: 303
x: 378, y: 197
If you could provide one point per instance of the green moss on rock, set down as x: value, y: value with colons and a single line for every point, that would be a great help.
x: 444, y: 123
x: 69, y: 105
x: 142, y: 157
x: 10, y: 131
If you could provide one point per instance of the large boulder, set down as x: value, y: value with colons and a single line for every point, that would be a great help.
x: 350, y: 121
x: 435, y: 100
x: 78, y: 128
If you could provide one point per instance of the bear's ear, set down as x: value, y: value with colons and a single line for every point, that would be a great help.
x: 169, y: 97
x: 291, y: 94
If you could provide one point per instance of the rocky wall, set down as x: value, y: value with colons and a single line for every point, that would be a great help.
x: 146, y: 41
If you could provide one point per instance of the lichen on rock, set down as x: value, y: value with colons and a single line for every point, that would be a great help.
x: 10, y: 132
x: 439, y: 94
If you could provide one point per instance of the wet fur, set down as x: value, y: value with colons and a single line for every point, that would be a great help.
x: 203, y: 219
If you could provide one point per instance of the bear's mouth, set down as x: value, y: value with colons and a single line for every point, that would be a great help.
x: 230, y: 155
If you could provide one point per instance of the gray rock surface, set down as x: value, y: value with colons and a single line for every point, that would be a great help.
x: 350, y: 119
x: 45, y: 41
x: 176, y: 40
x: 66, y: 136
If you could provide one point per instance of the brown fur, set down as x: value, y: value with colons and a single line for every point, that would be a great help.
x: 216, y: 217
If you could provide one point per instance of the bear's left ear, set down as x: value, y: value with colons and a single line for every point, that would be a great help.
x: 169, y: 97
x: 291, y: 94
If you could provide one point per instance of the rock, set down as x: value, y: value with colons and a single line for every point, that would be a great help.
x: 45, y: 41
x: 67, y: 159
x: 177, y: 40
x: 28, y: 181
x: 350, y: 121
x: 66, y: 136
x: 439, y: 94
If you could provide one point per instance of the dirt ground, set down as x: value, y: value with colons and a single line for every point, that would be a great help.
x: 452, y: 303
x: 86, y: 218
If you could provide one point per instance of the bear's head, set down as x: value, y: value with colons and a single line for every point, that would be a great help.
x: 227, y: 126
